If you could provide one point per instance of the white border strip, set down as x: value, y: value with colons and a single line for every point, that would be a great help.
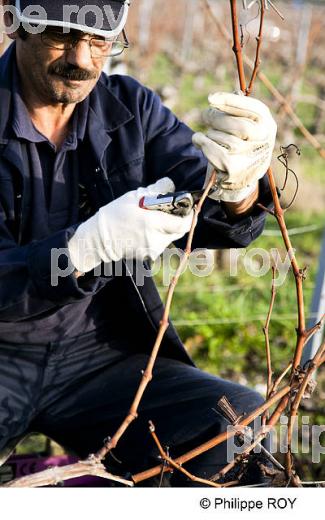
x: 164, y: 503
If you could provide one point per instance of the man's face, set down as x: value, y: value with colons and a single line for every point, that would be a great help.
x: 58, y: 76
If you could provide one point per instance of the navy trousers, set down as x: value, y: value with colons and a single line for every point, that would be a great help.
x: 78, y: 392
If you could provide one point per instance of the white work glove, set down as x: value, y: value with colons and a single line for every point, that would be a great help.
x: 239, y: 144
x: 122, y: 229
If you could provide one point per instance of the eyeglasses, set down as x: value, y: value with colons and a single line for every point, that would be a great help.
x: 99, y: 47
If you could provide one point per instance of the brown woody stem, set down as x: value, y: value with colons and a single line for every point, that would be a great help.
x: 237, y: 45
x: 174, y: 464
x: 267, y: 342
x: 257, y: 62
x: 55, y: 475
x: 271, y: 88
x: 164, y: 324
x: 266, y: 332
x: 215, y: 441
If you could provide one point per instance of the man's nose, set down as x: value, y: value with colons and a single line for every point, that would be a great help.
x: 80, y: 55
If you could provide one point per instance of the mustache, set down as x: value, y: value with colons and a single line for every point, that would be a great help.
x: 71, y: 72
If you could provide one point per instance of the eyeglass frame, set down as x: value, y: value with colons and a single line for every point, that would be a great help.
x: 75, y: 41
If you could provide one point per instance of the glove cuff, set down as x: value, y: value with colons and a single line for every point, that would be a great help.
x: 83, y: 247
x: 233, y: 195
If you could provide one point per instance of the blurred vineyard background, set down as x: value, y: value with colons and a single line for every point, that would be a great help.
x: 179, y: 49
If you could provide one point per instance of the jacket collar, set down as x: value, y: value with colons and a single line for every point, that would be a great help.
x: 108, y: 108
x: 106, y: 111
x: 106, y: 114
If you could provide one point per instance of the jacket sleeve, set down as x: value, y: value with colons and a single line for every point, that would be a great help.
x: 170, y: 152
x: 29, y: 285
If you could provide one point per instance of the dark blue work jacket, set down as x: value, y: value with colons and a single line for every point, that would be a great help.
x: 132, y: 140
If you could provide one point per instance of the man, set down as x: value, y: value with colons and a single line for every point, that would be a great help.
x: 78, y: 152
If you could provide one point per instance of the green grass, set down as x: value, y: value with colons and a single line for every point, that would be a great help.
x: 235, y: 346
x: 162, y: 72
x: 312, y: 164
x: 306, y: 112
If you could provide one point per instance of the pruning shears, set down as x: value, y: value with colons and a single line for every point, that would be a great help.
x: 180, y: 203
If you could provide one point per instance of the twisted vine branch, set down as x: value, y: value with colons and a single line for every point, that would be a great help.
x: 164, y: 324
x: 302, y: 333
